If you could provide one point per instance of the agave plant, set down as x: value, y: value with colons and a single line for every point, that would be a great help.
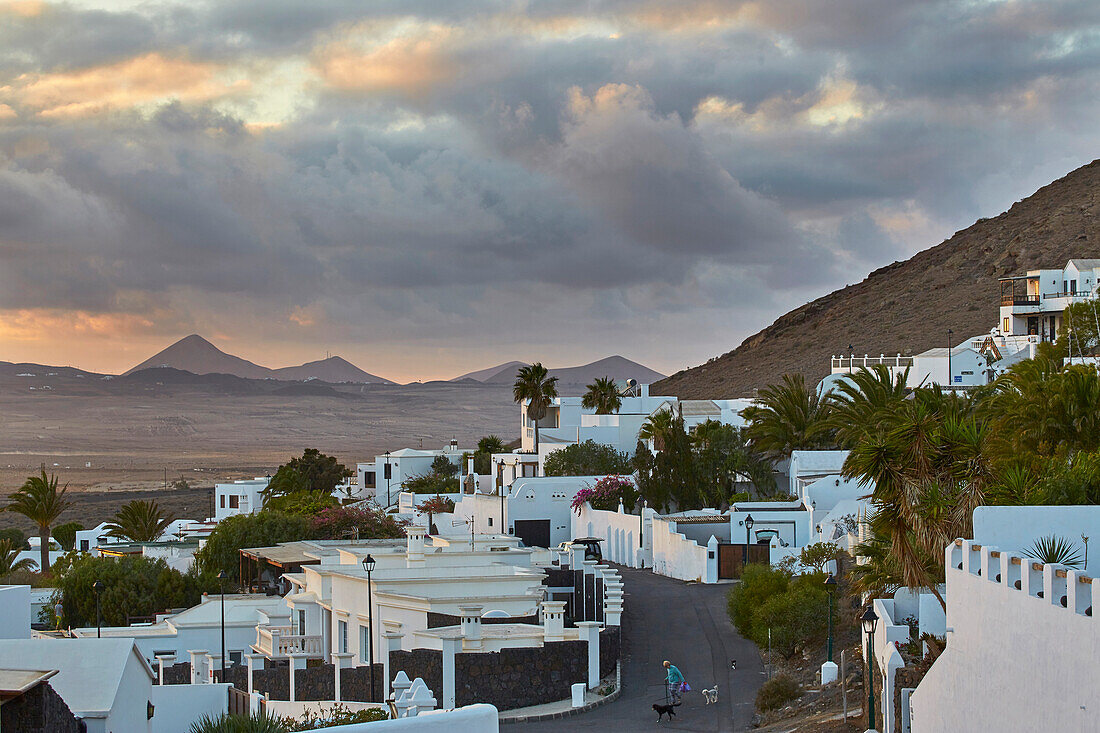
x: 1055, y: 550
x: 225, y: 723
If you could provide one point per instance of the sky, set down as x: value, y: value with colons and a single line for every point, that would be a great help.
x: 428, y: 187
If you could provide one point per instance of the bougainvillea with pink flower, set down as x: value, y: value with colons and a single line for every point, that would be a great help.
x: 606, y: 494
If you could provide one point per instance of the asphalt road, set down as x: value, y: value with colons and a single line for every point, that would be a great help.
x: 686, y: 624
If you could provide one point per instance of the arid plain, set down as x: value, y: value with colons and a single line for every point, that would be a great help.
x: 112, y: 440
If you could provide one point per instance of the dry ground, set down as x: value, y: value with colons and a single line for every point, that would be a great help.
x: 111, y: 448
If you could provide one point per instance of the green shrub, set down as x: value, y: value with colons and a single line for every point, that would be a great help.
x: 301, y: 503
x: 65, y: 534
x: 588, y: 459
x: 758, y: 583
x: 225, y: 723
x: 794, y: 619
x: 777, y: 692
x: 431, y: 483
x: 338, y: 714
x: 266, y: 528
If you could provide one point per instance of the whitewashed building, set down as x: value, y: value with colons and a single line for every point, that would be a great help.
x: 383, y: 477
x: 239, y: 497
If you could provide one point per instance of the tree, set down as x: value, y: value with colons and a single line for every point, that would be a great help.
x: 301, y: 503
x: 65, y: 534
x: 435, y: 505
x: 535, y: 386
x: 1081, y: 336
x: 132, y: 586
x: 442, y: 466
x: 363, y: 522
x: 818, y: 555
x: 586, y: 459
x: 314, y: 471
x: 862, y: 399
x: 139, y: 521
x: 483, y: 456
x: 602, y: 396
x: 8, y: 562
x: 607, y: 494
x: 40, y: 501
x: 726, y: 458
x: 16, y: 537
x: 658, y: 426
x: 263, y: 529
x: 787, y: 417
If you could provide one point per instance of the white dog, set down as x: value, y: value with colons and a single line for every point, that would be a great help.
x: 711, y: 695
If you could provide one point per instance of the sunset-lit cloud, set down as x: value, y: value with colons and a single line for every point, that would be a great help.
x: 397, y: 182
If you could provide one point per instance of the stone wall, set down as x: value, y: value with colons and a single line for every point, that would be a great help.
x: 39, y: 710
x: 609, y: 650
x: 312, y: 683
x: 427, y: 664
x: 909, y: 676
x: 515, y: 678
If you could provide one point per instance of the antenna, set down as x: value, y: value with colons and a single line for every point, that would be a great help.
x: 460, y: 522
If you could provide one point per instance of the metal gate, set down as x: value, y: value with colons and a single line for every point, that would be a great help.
x: 533, y: 532
x: 238, y: 702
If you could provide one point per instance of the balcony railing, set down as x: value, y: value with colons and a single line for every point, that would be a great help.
x: 1083, y: 294
x: 279, y: 642
x: 1019, y: 300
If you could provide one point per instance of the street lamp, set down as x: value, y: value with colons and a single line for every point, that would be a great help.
x: 97, y: 588
x: 748, y: 528
x: 387, y: 472
x: 830, y: 586
x: 869, y: 620
x: 851, y: 359
x: 368, y: 565
x: 949, y: 332
x: 221, y: 583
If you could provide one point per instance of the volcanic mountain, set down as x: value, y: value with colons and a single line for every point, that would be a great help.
x: 197, y: 355
x: 616, y: 367
x: 907, y: 307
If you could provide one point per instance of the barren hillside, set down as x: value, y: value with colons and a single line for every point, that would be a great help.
x: 908, y: 306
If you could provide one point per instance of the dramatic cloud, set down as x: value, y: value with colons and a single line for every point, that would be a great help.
x: 427, y: 186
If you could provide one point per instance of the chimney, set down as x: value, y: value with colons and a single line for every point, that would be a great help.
x: 553, y: 620
x: 644, y: 390
x: 414, y: 537
x: 471, y: 627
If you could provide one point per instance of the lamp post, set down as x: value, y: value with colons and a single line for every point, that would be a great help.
x: 851, y: 359
x: 221, y: 584
x: 386, y: 470
x: 869, y: 619
x: 830, y: 586
x: 97, y: 588
x: 949, y: 332
x: 368, y: 565
x: 748, y: 528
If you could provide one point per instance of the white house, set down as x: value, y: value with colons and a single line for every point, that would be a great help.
x: 239, y: 497
x: 535, y: 510
x: 15, y: 611
x: 1032, y: 304
x: 384, y: 476
x: 199, y: 627
x: 568, y: 422
x: 105, y: 682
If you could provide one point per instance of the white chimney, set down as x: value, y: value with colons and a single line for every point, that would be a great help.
x: 644, y: 390
x: 414, y: 538
x: 471, y: 627
x: 553, y: 620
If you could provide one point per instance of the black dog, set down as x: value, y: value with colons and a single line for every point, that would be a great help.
x: 663, y: 710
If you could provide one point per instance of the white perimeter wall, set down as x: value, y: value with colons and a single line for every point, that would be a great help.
x: 675, y: 555
x: 1017, y: 527
x: 15, y: 612
x: 621, y: 533
x: 1014, y: 661
x: 470, y: 719
x: 175, y: 707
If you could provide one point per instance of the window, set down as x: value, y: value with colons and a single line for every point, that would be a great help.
x: 234, y: 501
x: 490, y: 521
x: 387, y: 473
x: 368, y: 479
x: 1007, y: 326
x: 164, y: 653
x: 364, y: 645
x: 236, y: 656
x: 222, y: 498
x: 301, y: 622
x: 342, y: 626
x: 84, y: 545
x: 1073, y: 286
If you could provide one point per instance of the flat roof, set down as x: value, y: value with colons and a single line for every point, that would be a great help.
x: 17, y: 681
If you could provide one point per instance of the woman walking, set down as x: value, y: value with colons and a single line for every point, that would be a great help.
x: 675, y: 682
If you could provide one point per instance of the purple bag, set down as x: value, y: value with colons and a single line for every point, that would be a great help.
x: 684, y: 687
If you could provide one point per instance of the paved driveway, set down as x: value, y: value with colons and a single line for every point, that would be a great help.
x: 686, y: 624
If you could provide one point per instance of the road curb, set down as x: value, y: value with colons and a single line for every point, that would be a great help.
x: 572, y: 711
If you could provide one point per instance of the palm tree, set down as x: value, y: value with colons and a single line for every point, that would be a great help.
x: 788, y: 417
x: 602, y: 396
x: 40, y: 501
x: 139, y: 521
x: 658, y: 426
x: 535, y: 386
x: 862, y: 398
x: 8, y: 563
x: 490, y: 444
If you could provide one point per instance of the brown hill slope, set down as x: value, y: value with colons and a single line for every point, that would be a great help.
x: 908, y: 306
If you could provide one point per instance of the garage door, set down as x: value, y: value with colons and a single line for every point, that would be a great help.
x: 533, y: 532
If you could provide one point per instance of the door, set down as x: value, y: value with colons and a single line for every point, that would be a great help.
x: 533, y: 532
x: 729, y: 561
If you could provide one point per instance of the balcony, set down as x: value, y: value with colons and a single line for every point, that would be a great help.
x: 279, y: 642
x: 1008, y: 299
